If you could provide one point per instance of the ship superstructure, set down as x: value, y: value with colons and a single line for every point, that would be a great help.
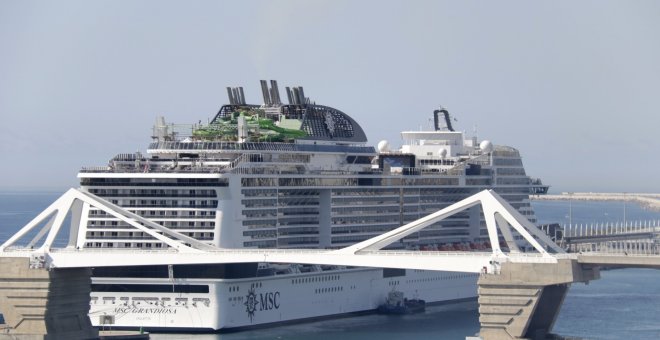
x: 299, y: 175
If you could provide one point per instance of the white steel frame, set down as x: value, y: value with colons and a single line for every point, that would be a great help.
x: 498, y: 214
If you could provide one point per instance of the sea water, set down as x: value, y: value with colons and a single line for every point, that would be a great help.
x: 623, y: 304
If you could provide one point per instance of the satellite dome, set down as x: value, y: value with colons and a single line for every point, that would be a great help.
x: 383, y: 146
x: 486, y: 146
x: 442, y: 153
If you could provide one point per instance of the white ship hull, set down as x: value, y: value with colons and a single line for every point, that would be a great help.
x: 243, y: 303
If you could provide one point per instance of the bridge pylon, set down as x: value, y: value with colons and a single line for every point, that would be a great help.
x: 524, y: 299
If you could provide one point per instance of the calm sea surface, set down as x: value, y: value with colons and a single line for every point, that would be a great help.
x: 623, y: 304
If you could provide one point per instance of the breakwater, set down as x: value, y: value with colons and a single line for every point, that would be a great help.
x: 648, y: 201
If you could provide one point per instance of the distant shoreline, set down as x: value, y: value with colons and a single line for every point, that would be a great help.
x: 647, y: 201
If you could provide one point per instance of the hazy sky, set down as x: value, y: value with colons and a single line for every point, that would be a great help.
x: 573, y: 85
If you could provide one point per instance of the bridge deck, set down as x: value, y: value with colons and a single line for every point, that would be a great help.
x: 468, y: 262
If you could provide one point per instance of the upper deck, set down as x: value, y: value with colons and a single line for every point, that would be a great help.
x: 302, y: 138
x: 301, y: 121
x: 249, y: 147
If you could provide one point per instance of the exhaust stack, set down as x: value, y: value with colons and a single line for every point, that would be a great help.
x: 265, y: 93
x: 436, y: 119
x: 236, y: 95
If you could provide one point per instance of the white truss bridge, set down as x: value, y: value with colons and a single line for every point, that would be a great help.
x: 520, y: 293
x: 181, y: 249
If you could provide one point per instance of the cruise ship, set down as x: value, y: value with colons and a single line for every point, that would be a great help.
x: 296, y: 175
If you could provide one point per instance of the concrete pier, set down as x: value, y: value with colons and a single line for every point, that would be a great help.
x: 44, y: 304
x: 523, y: 301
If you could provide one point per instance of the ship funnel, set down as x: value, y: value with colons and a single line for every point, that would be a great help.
x: 289, y: 95
x: 436, y: 119
x: 302, y: 99
x: 265, y: 93
x: 275, y: 93
x: 236, y: 95
x: 296, y: 96
x: 242, y: 95
x: 272, y: 94
x: 230, y: 94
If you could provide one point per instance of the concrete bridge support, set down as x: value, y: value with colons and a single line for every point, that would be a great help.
x: 44, y: 304
x: 523, y: 301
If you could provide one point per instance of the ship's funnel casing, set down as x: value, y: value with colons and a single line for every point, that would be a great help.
x: 242, y: 95
x: 236, y: 95
x: 445, y: 116
x: 265, y: 93
x: 289, y: 96
x: 271, y: 95
x: 237, y: 98
x: 230, y: 95
x: 296, y: 96
x: 275, y: 93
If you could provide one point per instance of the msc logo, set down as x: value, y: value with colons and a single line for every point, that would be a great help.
x: 261, y: 302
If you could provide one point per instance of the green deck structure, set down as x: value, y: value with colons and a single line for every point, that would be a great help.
x: 262, y: 129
